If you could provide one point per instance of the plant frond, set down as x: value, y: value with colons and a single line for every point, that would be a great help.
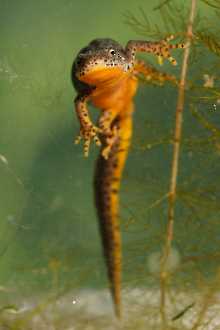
x: 205, y: 122
x: 161, y: 4
x: 142, y: 25
x: 212, y: 3
x: 210, y: 41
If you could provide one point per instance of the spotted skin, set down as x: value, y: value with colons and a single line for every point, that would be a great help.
x: 106, y: 74
x: 88, y: 130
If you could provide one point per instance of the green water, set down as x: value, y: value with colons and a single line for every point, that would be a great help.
x: 48, y: 228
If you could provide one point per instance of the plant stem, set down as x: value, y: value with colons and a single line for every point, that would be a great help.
x: 175, y: 163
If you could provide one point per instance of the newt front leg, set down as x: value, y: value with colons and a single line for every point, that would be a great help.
x: 161, y: 48
x: 87, y: 130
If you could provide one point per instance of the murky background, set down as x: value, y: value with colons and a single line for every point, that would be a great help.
x: 50, y: 246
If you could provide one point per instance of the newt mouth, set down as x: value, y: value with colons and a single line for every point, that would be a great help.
x: 101, y: 73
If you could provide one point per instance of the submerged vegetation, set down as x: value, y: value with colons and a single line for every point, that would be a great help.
x: 200, y: 200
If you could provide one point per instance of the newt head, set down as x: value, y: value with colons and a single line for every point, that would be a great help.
x: 102, y: 60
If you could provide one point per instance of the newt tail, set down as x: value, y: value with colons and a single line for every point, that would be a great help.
x: 107, y: 184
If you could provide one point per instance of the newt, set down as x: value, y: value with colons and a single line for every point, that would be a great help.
x: 106, y: 74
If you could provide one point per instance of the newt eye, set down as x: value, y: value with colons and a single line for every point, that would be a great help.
x: 112, y: 52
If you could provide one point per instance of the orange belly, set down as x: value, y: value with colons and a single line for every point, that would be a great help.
x: 115, y: 88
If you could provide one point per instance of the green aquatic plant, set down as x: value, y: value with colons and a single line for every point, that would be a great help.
x: 172, y: 18
x: 210, y: 41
